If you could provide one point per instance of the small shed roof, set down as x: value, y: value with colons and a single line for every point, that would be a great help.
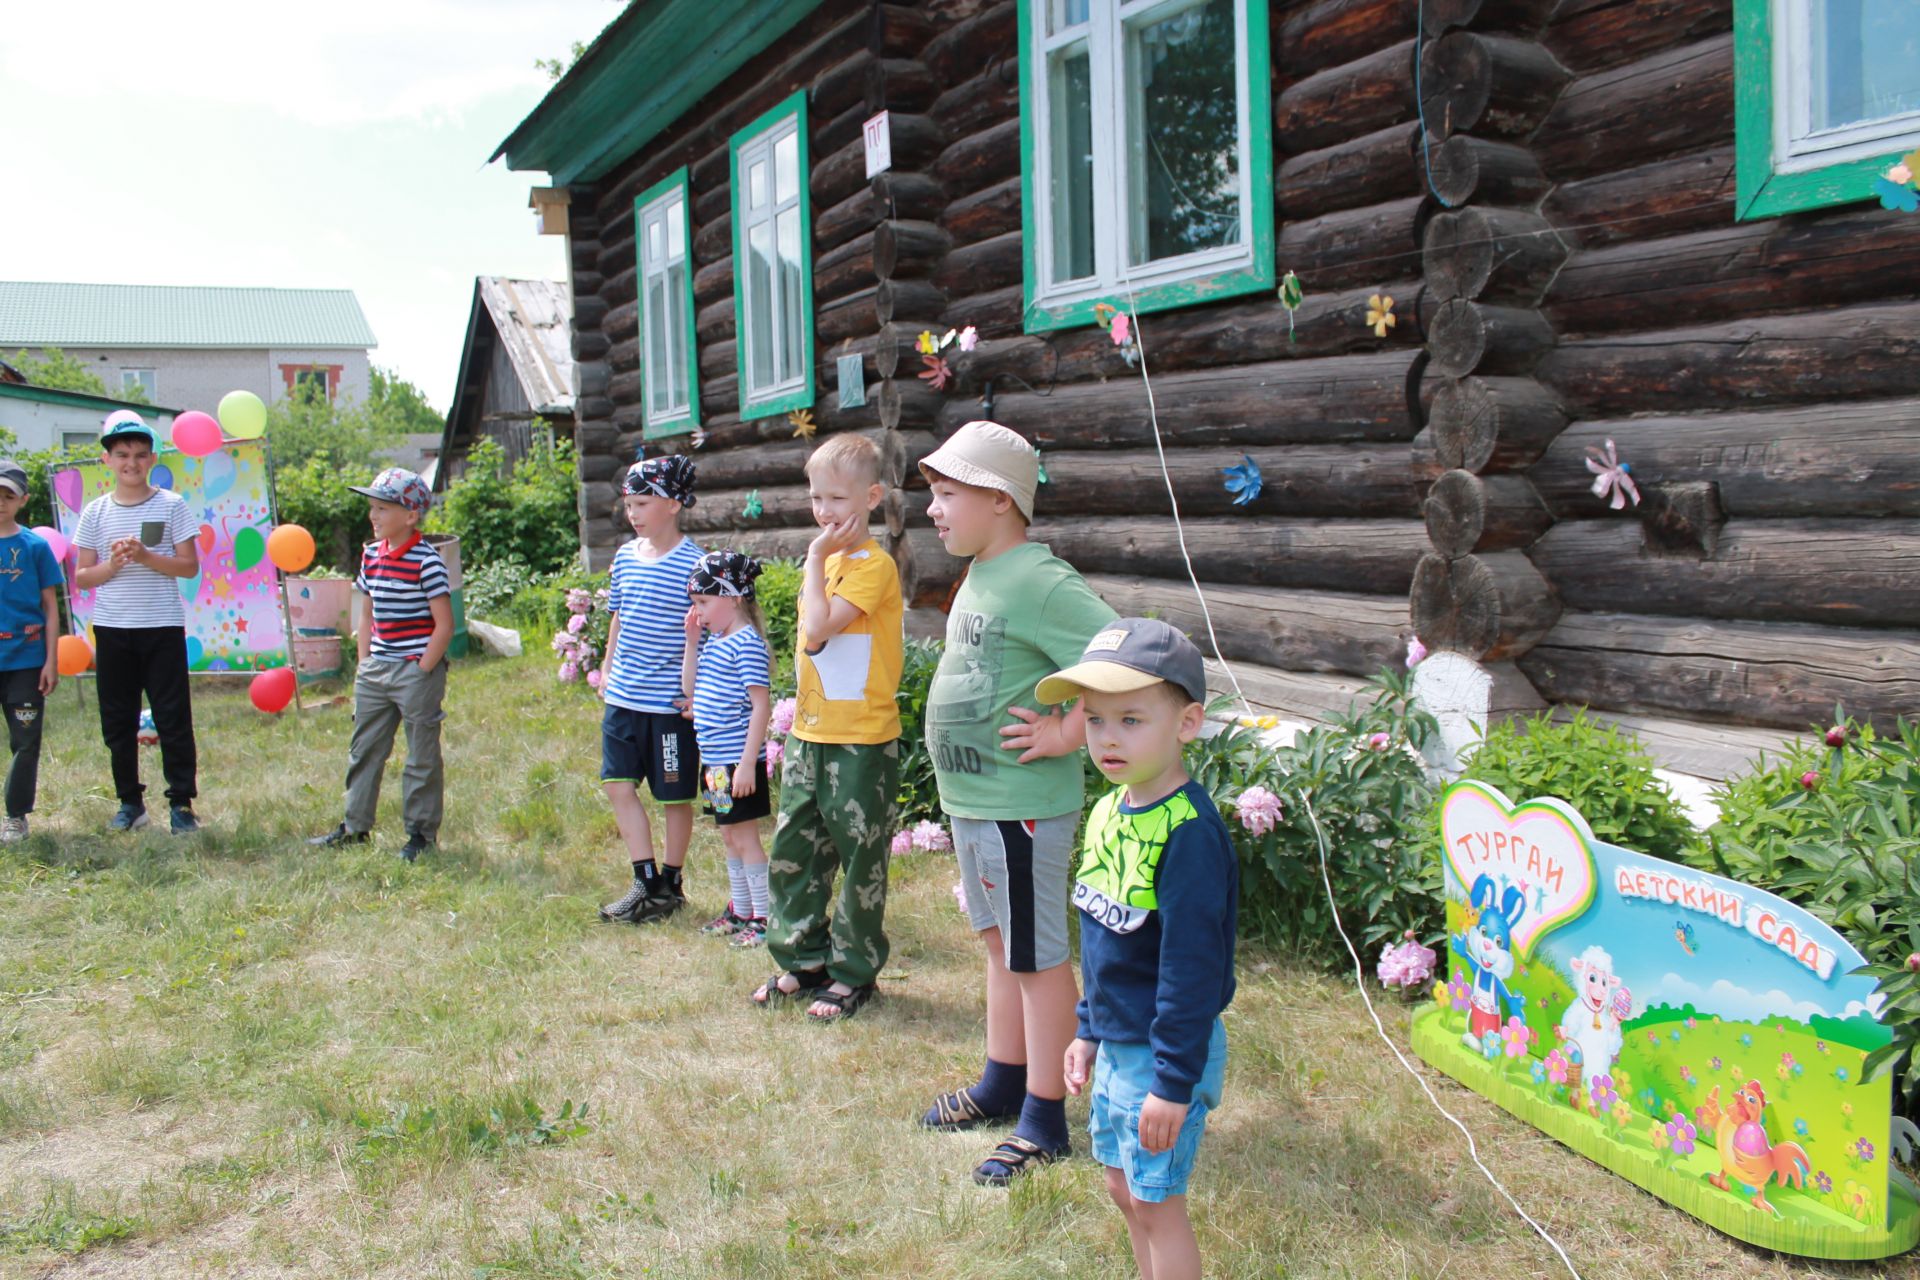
x: 530, y: 319
x: 47, y: 314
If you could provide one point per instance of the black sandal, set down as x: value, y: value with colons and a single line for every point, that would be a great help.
x: 847, y: 1005
x: 1014, y: 1157
x: 952, y: 1112
x: 771, y: 991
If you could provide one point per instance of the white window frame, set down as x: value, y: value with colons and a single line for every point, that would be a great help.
x: 758, y: 146
x: 680, y: 412
x: 1797, y: 146
x: 1112, y: 217
x: 147, y: 380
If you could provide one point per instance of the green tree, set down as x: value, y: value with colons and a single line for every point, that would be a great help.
x: 526, y: 513
x: 58, y: 371
x: 306, y: 424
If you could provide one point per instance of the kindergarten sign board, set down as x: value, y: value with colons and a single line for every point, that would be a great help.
x: 1702, y: 1038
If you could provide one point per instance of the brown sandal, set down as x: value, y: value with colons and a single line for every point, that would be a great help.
x: 1014, y: 1157
x: 952, y: 1112
x: 770, y: 992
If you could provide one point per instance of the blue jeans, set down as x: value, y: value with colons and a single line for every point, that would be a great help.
x: 1122, y: 1078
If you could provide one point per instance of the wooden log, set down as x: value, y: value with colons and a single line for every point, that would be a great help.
x: 782, y: 461
x: 1336, y: 250
x: 881, y: 347
x: 713, y: 240
x: 714, y: 322
x: 1495, y: 86
x: 1850, y: 352
x: 927, y: 573
x: 850, y: 317
x: 981, y: 159
x: 1847, y: 459
x: 983, y: 214
x: 901, y: 84
x: 1298, y: 630
x: 1688, y: 193
x: 1346, y: 101
x: 1496, y: 255
x: 622, y: 355
x: 781, y: 507
x: 719, y: 396
x: 1520, y: 16
x: 1590, y: 34
x: 709, y: 205
x: 1319, y: 34
x: 1348, y: 480
x: 1839, y: 572
x: 891, y: 348
x: 1679, y: 99
x: 1379, y: 166
x: 903, y: 248
x: 1682, y: 517
x: 995, y: 311
x: 1352, y: 399
x: 902, y: 508
x: 990, y: 35
x: 1466, y: 513
x: 1465, y: 337
x: 1488, y: 607
x: 906, y: 402
x: 1374, y: 557
x: 589, y: 344
x: 1784, y: 264
x: 1493, y: 424
x: 1785, y: 674
x: 831, y: 134
x: 713, y: 282
x: 907, y: 301
x: 845, y: 269
x: 769, y: 543
x: 984, y: 266
x: 615, y: 322
x: 898, y: 30
x: 912, y: 196
x: 624, y: 387
x: 916, y: 142
x: 982, y: 101
x: 718, y: 358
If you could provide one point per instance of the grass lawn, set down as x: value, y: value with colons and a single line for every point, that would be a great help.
x: 235, y: 1056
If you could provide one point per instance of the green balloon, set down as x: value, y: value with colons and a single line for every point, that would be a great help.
x: 242, y: 415
x: 248, y: 547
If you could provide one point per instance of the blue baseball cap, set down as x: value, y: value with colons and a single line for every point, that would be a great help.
x: 397, y: 484
x: 125, y: 424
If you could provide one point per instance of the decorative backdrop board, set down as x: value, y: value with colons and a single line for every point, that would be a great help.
x: 234, y: 618
x: 1702, y: 1038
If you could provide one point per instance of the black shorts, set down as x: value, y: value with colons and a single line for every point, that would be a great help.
x: 727, y: 808
x: 659, y: 750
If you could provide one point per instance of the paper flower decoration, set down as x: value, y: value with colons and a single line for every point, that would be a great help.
x: 969, y: 338
x: 1380, y: 317
x: 1119, y: 327
x: 699, y: 436
x: 937, y: 374
x: 1243, y: 481
x: 1896, y: 187
x: 1292, y: 294
x: 803, y: 424
x: 754, y: 507
x: 1040, y: 461
x: 1613, y: 479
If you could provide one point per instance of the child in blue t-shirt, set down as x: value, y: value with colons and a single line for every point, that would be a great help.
x: 30, y: 581
x: 727, y: 676
x: 644, y: 734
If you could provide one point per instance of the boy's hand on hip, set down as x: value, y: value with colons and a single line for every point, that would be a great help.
x: 1160, y: 1123
x: 1036, y: 737
x: 1079, y: 1065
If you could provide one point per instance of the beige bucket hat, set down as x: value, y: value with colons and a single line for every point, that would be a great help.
x: 989, y: 456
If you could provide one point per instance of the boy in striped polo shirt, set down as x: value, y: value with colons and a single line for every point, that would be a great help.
x: 405, y: 627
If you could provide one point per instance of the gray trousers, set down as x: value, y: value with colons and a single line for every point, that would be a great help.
x: 386, y: 694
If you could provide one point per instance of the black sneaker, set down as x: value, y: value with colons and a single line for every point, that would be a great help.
x: 623, y: 910
x: 181, y: 821
x: 656, y: 908
x: 416, y: 845
x: 131, y: 817
x: 337, y: 837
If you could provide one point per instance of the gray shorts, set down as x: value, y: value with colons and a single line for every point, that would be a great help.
x: 1014, y: 877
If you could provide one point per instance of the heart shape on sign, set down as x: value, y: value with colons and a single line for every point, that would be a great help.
x: 1544, y: 845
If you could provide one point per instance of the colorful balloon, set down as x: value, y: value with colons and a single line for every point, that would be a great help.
x: 73, y: 655
x: 271, y: 691
x: 196, y: 434
x: 248, y: 547
x: 290, y: 547
x: 243, y: 415
x: 56, y: 541
x: 161, y: 477
x: 66, y: 487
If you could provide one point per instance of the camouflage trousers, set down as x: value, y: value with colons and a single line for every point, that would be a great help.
x: 836, y: 811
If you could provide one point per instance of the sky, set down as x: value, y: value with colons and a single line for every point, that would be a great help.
x: 215, y: 142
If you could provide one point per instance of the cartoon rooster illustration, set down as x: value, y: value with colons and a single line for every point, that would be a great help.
x: 1746, y: 1156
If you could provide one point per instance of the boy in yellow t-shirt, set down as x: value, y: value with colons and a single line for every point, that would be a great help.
x: 843, y: 755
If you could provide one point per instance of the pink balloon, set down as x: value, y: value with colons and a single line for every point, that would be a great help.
x: 55, y: 540
x: 196, y: 434
x: 66, y: 487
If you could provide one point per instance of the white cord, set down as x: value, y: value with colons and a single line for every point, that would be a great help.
x: 1320, y: 835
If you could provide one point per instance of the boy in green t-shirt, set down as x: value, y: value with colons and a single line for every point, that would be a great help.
x: 1022, y: 613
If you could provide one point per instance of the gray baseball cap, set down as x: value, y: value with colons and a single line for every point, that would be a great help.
x: 1129, y: 654
x: 14, y: 476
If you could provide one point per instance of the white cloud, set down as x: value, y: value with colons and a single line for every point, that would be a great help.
x: 1734, y: 1002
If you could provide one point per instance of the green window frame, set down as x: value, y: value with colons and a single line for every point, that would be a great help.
x: 774, y: 359
x: 663, y: 274
x: 1768, y: 34
x: 1052, y: 28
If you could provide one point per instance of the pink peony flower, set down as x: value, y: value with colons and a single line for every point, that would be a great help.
x: 1122, y: 330
x: 576, y: 624
x: 1259, y: 810
x: 969, y: 338
x: 1406, y: 963
x: 1379, y: 742
x: 593, y: 678
x: 569, y: 672
x: 1913, y: 963
x: 1415, y: 652
x: 1810, y: 780
x: 781, y: 721
x: 776, y: 752
x: 903, y: 843
x: 1836, y: 737
x: 931, y: 836
x: 579, y: 600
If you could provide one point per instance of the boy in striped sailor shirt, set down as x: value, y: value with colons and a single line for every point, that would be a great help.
x: 405, y: 626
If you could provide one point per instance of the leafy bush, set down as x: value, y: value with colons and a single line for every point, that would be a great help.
x: 778, y: 590
x: 39, y: 464
x: 58, y: 371
x: 490, y: 589
x: 1835, y: 828
x: 918, y: 798
x: 1605, y: 774
x: 528, y: 513
x: 316, y: 495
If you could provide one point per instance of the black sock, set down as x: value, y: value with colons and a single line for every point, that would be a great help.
x: 670, y: 879
x: 1043, y: 1121
x: 1002, y: 1087
x: 645, y: 872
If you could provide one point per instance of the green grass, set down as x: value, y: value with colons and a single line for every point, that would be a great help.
x: 238, y: 1056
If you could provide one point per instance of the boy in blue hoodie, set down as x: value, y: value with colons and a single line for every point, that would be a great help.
x: 1158, y: 890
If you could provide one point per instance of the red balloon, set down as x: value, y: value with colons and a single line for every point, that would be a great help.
x: 196, y: 434
x: 271, y: 691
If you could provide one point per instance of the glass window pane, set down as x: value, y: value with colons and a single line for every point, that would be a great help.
x: 1866, y: 63
x: 1062, y: 14
x: 1183, y: 156
x: 676, y: 284
x: 759, y: 308
x: 657, y: 372
x: 676, y: 227
x: 792, y: 322
x: 786, y: 168
x: 1070, y: 167
x: 756, y: 184
x: 654, y: 245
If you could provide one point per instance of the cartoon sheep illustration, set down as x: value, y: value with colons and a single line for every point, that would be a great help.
x: 1591, y: 1024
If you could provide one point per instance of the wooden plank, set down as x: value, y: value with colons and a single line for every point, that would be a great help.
x: 1715, y: 751
x: 1673, y: 100
x: 1301, y: 480
x: 1324, y: 631
x: 1375, y: 557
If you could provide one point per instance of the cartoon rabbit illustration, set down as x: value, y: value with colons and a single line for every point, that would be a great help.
x: 1487, y: 947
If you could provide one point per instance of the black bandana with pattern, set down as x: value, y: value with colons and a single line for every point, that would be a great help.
x: 669, y: 476
x: 724, y: 573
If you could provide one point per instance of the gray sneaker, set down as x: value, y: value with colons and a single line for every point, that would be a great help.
x: 13, y: 830
x: 131, y: 817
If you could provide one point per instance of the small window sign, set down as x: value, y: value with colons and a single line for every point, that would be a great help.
x: 879, y: 139
x: 853, y: 382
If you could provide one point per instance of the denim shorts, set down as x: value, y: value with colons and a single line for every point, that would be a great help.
x: 1122, y: 1078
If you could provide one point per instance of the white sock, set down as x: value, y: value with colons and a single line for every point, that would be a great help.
x: 737, y: 883
x: 757, y: 885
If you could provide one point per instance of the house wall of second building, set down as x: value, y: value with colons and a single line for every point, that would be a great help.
x: 196, y: 377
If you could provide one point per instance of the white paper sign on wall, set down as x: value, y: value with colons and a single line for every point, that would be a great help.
x: 853, y: 383
x: 879, y: 138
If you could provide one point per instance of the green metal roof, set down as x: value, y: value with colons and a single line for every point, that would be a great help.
x: 35, y: 314
x: 642, y: 73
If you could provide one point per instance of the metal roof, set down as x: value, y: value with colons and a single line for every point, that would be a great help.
x: 40, y: 314
x: 531, y: 319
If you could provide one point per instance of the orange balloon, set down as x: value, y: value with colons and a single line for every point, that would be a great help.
x: 290, y: 547
x: 73, y: 656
